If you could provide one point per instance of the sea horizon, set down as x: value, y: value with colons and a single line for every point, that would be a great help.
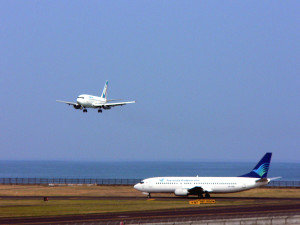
x: 137, y: 169
x: 148, y: 160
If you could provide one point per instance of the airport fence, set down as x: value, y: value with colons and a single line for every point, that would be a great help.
x: 69, y: 181
x: 284, y: 183
x: 99, y: 181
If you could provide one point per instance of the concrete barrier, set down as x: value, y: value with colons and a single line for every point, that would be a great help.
x: 267, y: 220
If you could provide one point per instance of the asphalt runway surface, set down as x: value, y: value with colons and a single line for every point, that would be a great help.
x: 289, y: 206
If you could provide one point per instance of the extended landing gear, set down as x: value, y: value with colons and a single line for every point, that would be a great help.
x: 207, y: 195
x: 84, y: 110
x: 149, y: 195
x: 99, y: 110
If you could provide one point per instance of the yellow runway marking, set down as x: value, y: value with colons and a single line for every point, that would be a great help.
x: 202, y: 201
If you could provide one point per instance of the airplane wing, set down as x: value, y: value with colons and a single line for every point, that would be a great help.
x: 112, y: 104
x: 113, y: 100
x: 197, y: 190
x: 69, y: 103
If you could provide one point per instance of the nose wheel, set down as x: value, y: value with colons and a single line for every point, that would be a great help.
x: 85, y: 110
x: 99, y: 110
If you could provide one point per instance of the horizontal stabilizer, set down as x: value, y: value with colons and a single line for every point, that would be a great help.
x: 274, y: 178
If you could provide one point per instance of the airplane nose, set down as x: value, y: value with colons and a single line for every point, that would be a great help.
x: 137, y: 187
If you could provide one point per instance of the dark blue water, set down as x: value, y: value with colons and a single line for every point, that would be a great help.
x: 137, y: 170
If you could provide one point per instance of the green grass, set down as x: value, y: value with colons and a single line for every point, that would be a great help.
x: 19, y: 208
x: 128, y: 191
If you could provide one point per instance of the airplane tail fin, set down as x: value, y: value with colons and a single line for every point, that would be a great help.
x: 104, y: 92
x: 261, y: 169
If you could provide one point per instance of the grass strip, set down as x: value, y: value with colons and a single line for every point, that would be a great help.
x: 128, y: 191
x: 21, y: 208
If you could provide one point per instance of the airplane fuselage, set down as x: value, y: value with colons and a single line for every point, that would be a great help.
x: 184, y: 186
x: 90, y: 101
x: 181, y: 185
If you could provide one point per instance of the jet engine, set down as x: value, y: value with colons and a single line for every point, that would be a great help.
x: 181, y: 192
x: 77, y: 106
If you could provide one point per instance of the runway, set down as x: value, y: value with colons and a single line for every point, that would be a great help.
x: 256, y: 208
x: 144, y: 198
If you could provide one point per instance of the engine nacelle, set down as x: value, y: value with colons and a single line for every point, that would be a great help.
x: 181, y: 192
x: 77, y: 106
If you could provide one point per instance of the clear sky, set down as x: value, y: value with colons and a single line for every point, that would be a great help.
x: 213, y: 80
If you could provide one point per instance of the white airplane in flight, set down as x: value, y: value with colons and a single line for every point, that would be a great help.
x: 89, y: 101
x: 184, y: 186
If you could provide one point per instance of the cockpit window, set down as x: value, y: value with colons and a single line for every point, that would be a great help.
x: 142, y: 182
x: 80, y: 97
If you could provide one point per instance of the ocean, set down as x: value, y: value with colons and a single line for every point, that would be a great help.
x: 138, y: 170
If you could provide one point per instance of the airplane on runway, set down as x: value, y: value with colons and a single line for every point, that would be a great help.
x: 185, y: 186
x: 89, y: 101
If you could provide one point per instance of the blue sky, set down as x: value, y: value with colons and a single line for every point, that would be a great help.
x: 213, y: 80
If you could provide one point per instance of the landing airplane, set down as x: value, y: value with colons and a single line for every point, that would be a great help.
x: 89, y: 101
x: 184, y: 186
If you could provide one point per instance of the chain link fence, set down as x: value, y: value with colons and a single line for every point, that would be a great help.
x: 66, y: 181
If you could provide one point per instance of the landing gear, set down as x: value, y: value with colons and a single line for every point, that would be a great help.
x: 84, y: 110
x: 207, y: 195
x: 149, y: 195
x: 99, y: 110
x: 200, y: 195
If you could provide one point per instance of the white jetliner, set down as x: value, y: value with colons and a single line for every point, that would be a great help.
x: 90, y: 101
x: 184, y: 186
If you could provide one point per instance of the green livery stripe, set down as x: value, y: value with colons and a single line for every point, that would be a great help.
x: 262, y: 169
